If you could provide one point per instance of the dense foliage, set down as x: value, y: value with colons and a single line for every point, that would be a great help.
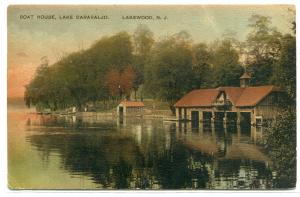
x: 281, y: 145
x: 80, y: 77
x: 165, y: 69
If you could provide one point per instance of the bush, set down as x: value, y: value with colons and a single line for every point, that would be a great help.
x: 280, y: 142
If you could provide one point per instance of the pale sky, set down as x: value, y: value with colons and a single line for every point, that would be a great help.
x: 31, y: 39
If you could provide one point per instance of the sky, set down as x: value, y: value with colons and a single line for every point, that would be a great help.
x: 31, y: 39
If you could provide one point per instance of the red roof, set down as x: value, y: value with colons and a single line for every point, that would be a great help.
x: 240, y: 97
x: 253, y: 95
x: 132, y: 103
x: 200, y: 97
x: 233, y: 93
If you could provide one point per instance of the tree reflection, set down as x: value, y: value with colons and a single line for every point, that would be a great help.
x: 172, y: 169
x: 136, y: 157
x: 122, y: 171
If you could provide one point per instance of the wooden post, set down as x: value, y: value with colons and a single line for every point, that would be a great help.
x: 200, y: 116
x: 177, y: 113
x: 253, y: 117
x: 238, y: 132
x: 225, y: 119
x: 188, y: 114
x: 253, y: 134
x: 213, y: 129
x: 238, y: 117
x: 201, y: 129
x: 213, y: 117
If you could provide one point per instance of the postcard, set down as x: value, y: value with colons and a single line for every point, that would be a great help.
x: 151, y: 97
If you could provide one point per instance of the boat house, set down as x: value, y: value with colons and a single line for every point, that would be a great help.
x: 128, y: 108
x: 245, y: 103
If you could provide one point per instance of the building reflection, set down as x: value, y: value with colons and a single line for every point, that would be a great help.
x: 153, y: 154
x: 217, y: 130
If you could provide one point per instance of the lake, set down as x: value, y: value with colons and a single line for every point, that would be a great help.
x: 103, y: 152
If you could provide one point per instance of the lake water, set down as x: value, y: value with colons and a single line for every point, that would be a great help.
x: 102, y: 152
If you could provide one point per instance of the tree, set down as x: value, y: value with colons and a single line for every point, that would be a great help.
x: 263, y: 40
x: 112, y: 81
x: 285, y: 69
x: 281, y: 144
x: 127, y: 80
x: 78, y: 78
x: 226, y: 67
x: 169, y: 70
x: 138, y: 67
x: 120, y: 83
x: 263, y: 49
x: 143, y: 41
x: 202, y: 70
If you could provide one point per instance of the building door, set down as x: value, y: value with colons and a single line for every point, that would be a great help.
x: 245, y: 118
x: 195, y: 119
x: 231, y: 117
x: 219, y: 117
x: 121, y: 111
x: 195, y: 116
x: 207, y: 116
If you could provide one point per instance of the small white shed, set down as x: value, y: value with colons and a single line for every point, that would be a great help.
x: 130, y: 108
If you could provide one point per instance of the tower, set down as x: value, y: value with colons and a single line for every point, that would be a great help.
x: 245, y: 80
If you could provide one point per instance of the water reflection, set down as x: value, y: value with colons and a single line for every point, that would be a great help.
x: 131, y: 153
